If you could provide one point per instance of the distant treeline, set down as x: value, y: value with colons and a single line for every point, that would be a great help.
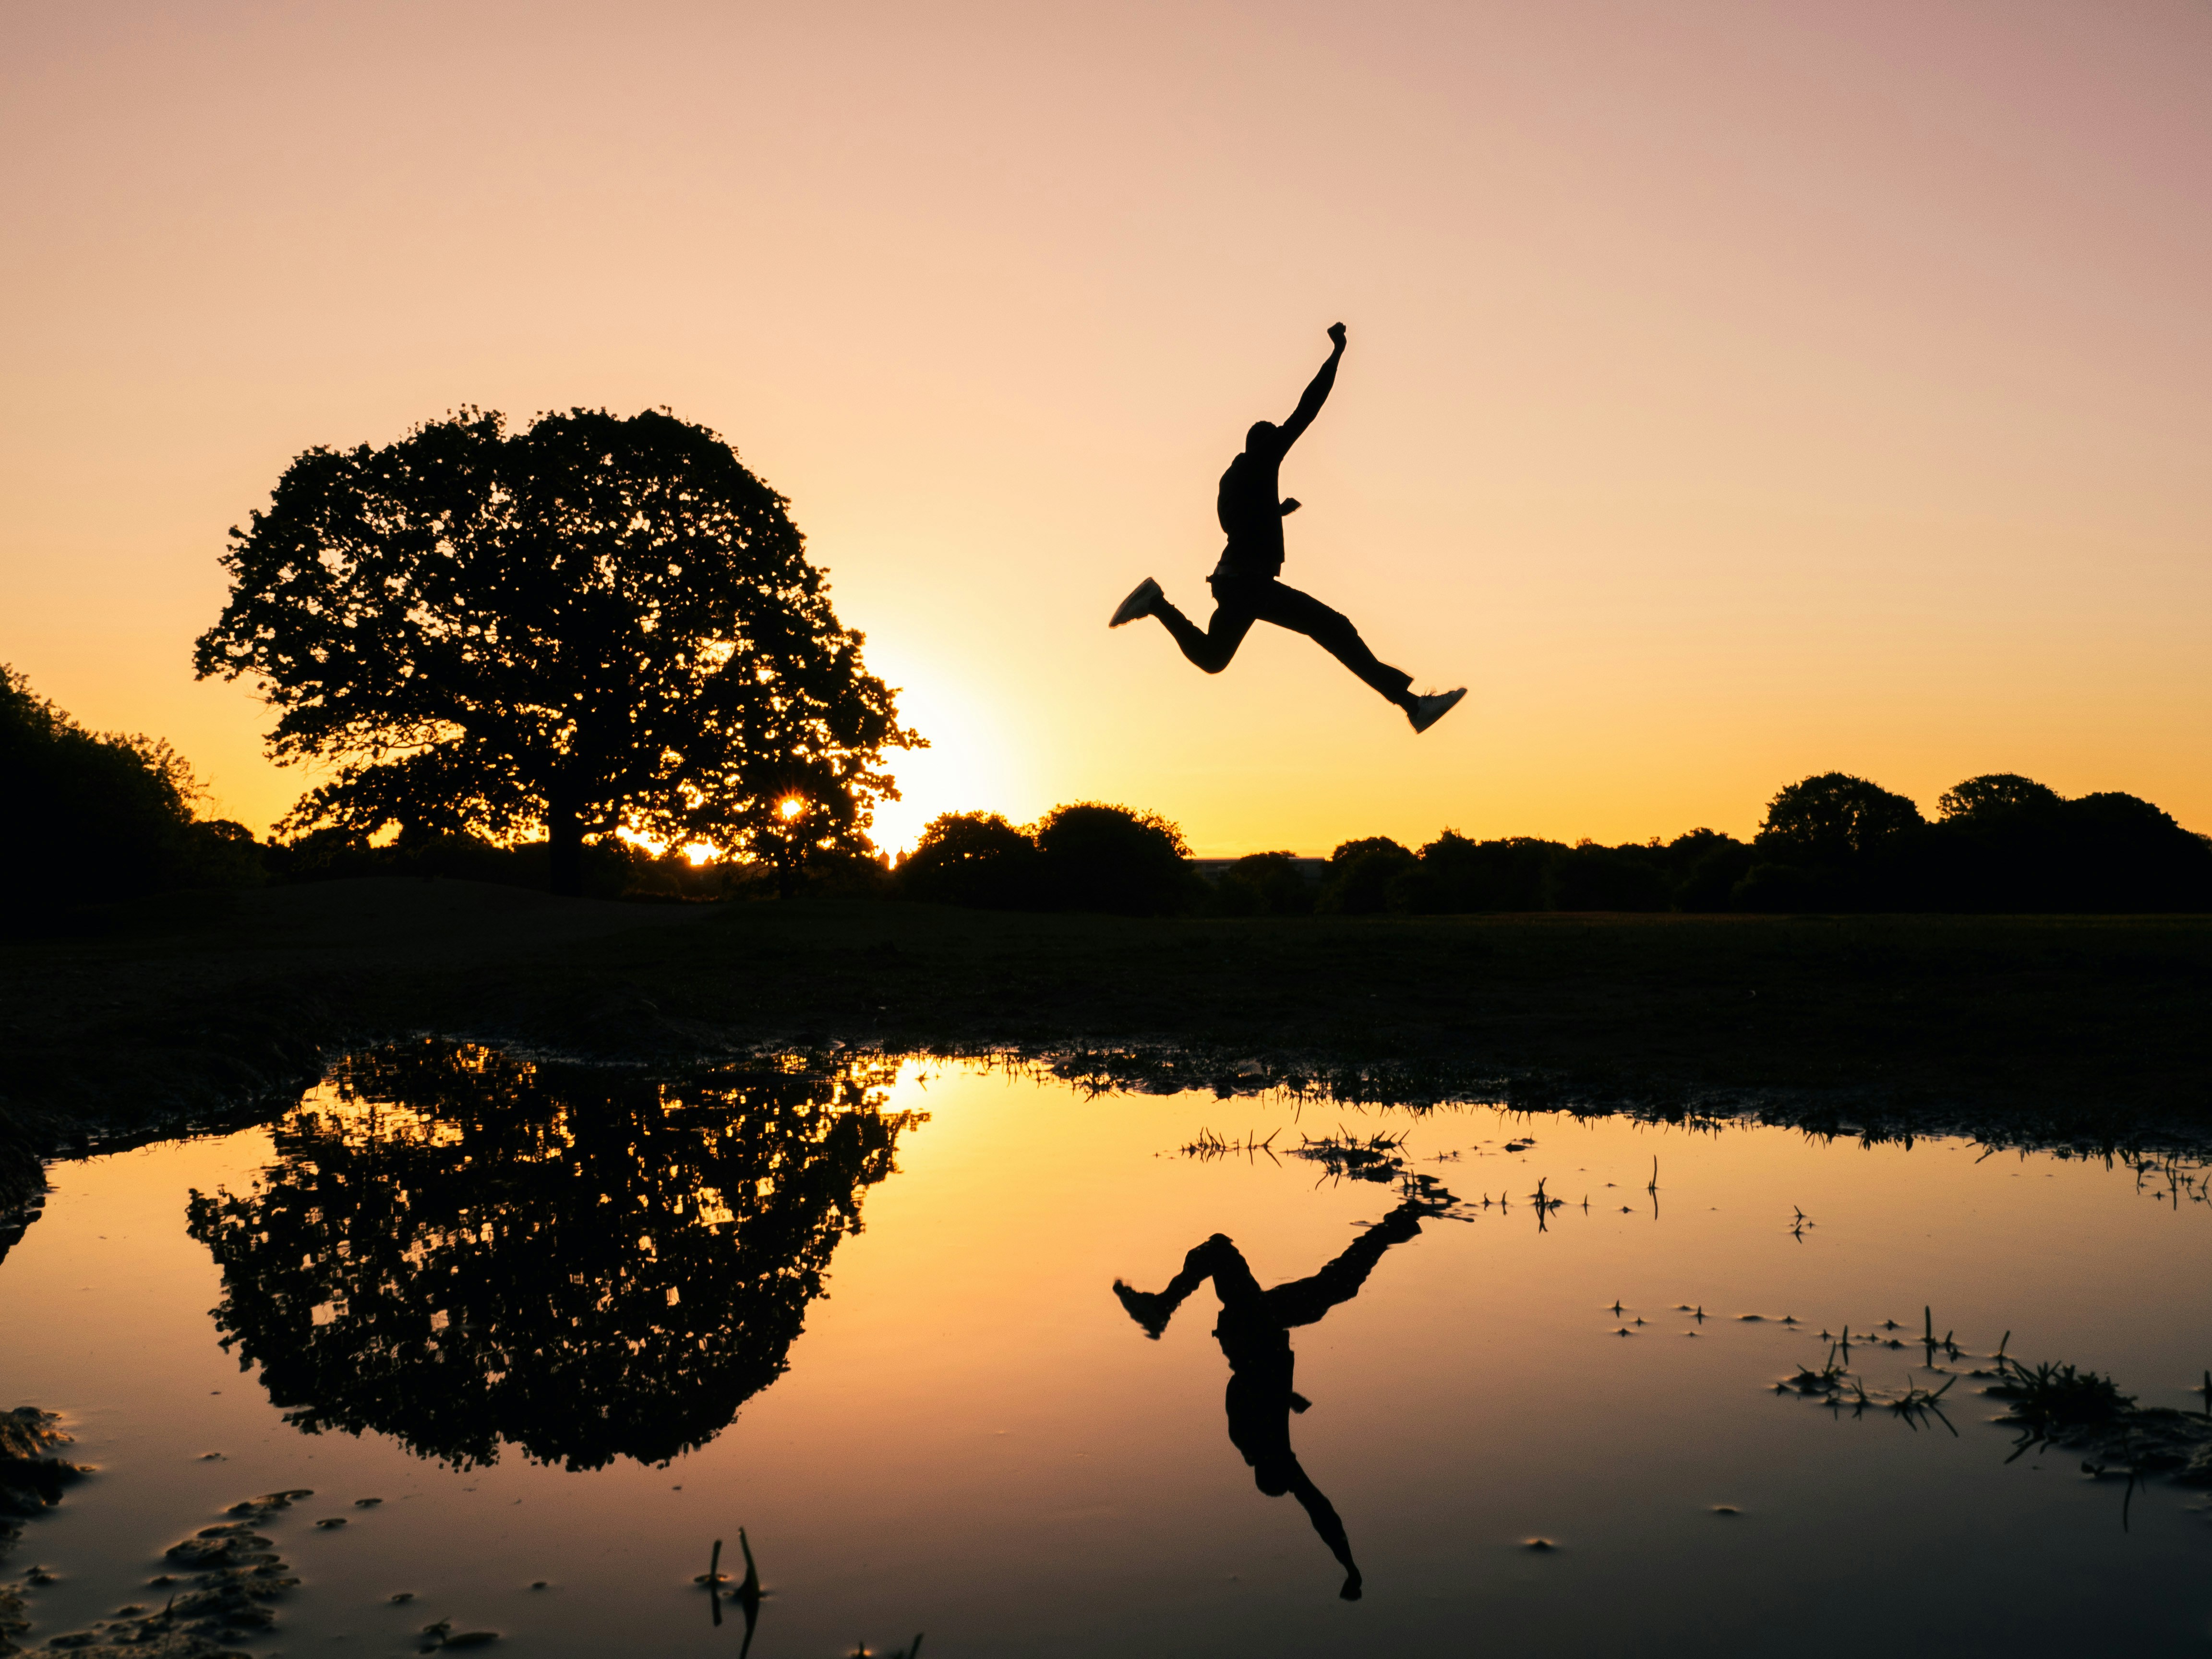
x: 1829, y: 842
x: 93, y: 817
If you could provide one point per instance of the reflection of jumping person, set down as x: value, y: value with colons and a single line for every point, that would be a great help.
x: 1255, y: 1334
x: 1245, y: 587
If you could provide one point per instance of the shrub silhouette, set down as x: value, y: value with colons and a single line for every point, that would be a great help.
x: 95, y: 816
x: 1783, y: 887
x: 1360, y: 877
x: 2116, y: 852
x: 1588, y: 877
x: 1830, y: 841
x: 973, y: 859
x: 1092, y: 856
x: 1262, y: 885
x: 1703, y: 868
x: 2004, y: 843
x: 1458, y: 875
x: 1830, y: 819
x: 1995, y: 793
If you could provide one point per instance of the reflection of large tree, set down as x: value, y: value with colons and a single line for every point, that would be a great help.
x: 458, y: 1247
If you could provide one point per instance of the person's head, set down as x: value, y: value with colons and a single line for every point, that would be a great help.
x: 1260, y: 437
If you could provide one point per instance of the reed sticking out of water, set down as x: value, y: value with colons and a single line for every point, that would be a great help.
x: 1208, y: 1144
x: 747, y: 1594
x: 2050, y: 1405
x: 1345, y: 1156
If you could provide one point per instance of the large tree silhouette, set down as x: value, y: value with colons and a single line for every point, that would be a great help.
x: 590, y: 625
x: 461, y: 1248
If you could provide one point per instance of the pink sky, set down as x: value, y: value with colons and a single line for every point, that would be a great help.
x: 1736, y: 392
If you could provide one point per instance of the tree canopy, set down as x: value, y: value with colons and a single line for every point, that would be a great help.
x: 590, y: 625
x: 1835, y: 816
x: 1997, y: 792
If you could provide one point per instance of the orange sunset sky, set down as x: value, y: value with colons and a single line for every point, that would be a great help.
x: 1735, y: 391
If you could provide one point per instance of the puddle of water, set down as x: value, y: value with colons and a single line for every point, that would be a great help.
x: 470, y: 1276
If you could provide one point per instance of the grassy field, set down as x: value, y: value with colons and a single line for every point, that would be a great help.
x: 2055, y: 1026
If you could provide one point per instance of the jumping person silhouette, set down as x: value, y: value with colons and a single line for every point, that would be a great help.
x: 1246, y: 588
x: 1255, y: 1334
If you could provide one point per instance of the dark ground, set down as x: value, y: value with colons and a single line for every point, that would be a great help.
x: 198, y: 1007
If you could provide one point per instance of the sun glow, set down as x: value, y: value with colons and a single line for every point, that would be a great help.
x: 695, y: 851
x: 973, y: 763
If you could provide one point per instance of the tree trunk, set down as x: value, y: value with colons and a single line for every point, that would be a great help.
x: 564, y: 829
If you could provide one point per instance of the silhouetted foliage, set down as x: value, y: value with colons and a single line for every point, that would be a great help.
x: 611, y: 868
x: 589, y: 625
x: 1834, y: 818
x: 2105, y: 852
x: 1262, y: 885
x: 1830, y: 842
x: 1704, y: 867
x: 973, y: 859
x: 1588, y: 877
x: 1784, y: 888
x: 1457, y: 875
x: 1360, y: 876
x: 1995, y: 793
x: 459, y: 1249
x: 2005, y: 842
x: 1083, y: 856
x: 92, y: 817
x: 1096, y: 857
x: 1454, y: 875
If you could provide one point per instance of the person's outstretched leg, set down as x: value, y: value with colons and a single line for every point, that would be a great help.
x: 1284, y: 607
x: 1271, y: 601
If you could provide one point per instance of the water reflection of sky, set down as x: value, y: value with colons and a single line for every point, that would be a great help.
x: 963, y: 1433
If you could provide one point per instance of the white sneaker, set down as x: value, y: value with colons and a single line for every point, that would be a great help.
x: 1428, y: 710
x: 1141, y: 599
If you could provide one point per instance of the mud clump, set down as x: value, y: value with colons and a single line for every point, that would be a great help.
x: 225, y: 1577
x: 31, y: 1482
x: 31, y: 1476
x: 2086, y: 1413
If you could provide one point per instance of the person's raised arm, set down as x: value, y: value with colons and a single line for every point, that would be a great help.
x: 1317, y: 391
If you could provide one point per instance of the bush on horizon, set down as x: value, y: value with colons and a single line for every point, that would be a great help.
x: 95, y: 816
x: 2003, y: 843
x: 976, y: 859
x: 1262, y: 885
x: 1086, y: 855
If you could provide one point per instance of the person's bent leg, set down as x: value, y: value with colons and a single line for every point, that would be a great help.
x: 1327, y: 1525
x: 1332, y: 630
x: 1211, y: 647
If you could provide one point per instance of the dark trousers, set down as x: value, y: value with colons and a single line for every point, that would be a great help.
x: 1240, y: 601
